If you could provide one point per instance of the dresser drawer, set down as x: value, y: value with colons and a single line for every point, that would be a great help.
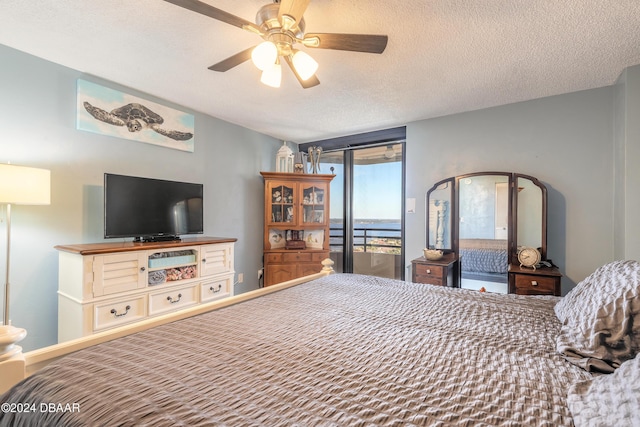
x: 527, y: 284
x: 297, y: 257
x: 319, y: 256
x: 216, y: 289
x: 273, y: 258
x: 110, y: 314
x: 173, y: 299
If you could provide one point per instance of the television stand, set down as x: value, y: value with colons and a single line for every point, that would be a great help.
x: 109, y: 284
x: 156, y: 239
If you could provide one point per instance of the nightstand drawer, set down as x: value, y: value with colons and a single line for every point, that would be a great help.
x: 527, y: 284
x: 434, y: 271
x: 431, y: 274
x: 430, y: 280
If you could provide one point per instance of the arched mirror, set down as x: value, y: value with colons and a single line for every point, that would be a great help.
x: 483, y: 228
x: 439, y: 215
x: 483, y: 218
x: 530, y: 211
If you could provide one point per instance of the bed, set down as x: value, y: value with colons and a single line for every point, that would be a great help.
x: 484, y: 259
x: 358, y: 350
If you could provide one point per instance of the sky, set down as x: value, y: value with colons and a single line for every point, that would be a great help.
x: 377, y: 191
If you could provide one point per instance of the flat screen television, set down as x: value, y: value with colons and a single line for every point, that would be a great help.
x: 151, y: 209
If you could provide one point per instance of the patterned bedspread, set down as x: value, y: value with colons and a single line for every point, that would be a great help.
x: 341, y: 350
x: 484, y: 255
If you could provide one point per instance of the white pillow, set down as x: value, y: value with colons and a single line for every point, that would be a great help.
x: 601, y: 318
x: 608, y: 400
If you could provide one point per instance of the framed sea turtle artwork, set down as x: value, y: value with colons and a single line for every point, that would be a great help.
x: 114, y: 113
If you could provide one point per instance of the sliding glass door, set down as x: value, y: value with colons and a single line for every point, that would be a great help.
x: 366, y: 209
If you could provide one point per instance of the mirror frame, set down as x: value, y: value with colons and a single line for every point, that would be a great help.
x: 452, y: 210
x: 512, y: 233
x: 514, y: 211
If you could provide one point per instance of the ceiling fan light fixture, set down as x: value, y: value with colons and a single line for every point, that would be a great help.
x: 304, y: 64
x: 264, y: 55
x: 272, y: 75
x: 281, y: 25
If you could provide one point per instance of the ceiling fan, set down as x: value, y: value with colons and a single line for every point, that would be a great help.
x: 282, y: 26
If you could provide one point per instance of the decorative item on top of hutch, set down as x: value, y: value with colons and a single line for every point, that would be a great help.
x: 296, y: 224
x: 300, y: 162
x: 284, y: 159
x: 314, y: 158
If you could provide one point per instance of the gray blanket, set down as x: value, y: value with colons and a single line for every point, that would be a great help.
x: 341, y: 350
x: 484, y: 255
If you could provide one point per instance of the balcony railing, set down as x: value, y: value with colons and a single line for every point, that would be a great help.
x: 368, y: 239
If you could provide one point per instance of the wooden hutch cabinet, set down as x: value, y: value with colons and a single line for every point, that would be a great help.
x: 296, y: 224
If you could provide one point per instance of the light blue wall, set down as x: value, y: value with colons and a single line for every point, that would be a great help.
x: 37, y: 116
x: 566, y: 141
x: 627, y: 160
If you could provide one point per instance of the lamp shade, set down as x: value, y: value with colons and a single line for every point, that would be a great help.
x: 23, y: 185
x: 264, y: 55
x: 272, y: 75
x: 304, y: 64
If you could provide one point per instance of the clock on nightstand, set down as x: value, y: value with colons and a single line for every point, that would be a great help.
x: 529, y: 257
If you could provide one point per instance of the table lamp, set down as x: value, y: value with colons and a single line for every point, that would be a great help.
x: 19, y: 185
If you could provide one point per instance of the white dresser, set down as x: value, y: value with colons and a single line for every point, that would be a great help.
x: 104, y: 285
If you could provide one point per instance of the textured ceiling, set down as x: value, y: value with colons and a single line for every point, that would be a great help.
x: 443, y: 57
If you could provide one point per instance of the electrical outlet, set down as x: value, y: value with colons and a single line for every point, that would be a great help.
x: 240, y: 277
x: 260, y: 273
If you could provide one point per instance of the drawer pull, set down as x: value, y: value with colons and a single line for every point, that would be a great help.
x: 172, y: 301
x: 115, y: 312
x: 428, y: 271
x: 534, y: 283
x: 215, y: 291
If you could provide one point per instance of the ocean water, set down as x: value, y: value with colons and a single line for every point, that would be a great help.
x: 372, y: 224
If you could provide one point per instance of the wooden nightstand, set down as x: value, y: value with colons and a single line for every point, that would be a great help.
x: 443, y: 272
x: 541, y: 281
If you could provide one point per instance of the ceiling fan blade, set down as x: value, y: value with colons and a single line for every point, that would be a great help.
x: 293, y: 8
x: 306, y: 84
x: 232, y: 61
x: 369, y: 43
x: 212, y: 12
